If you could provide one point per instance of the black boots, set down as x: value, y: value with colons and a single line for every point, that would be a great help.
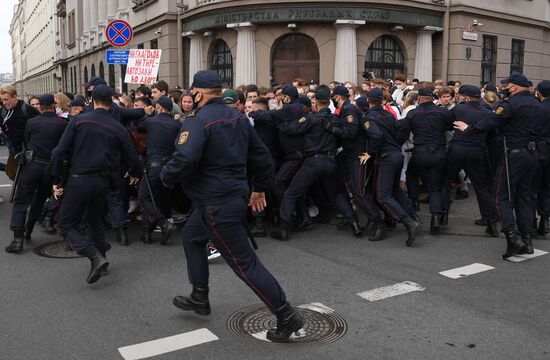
x: 413, y: 228
x: 492, y: 229
x: 98, y: 263
x: 146, y: 234
x: 259, y: 229
x: 283, y: 233
x: 544, y: 226
x: 197, y: 301
x: 289, y: 321
x: 16, y: 246
x: 377, y: 232
x: 528, y: 248
x: 435, y: 224
x: 122, y: 237
x: 29, y: 227
x: 444, y: 220
x: 167, y: 230
x: 513, y: 244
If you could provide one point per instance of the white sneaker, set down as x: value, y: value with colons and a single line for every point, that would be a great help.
x: 132, y: 206
x: 212, y: 252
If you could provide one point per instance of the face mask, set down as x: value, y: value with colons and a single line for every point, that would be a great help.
x: 195, y: 103
x: 505, y: 93
x: 117, y: 102
x: 89, y: 93
x: 400, y: 87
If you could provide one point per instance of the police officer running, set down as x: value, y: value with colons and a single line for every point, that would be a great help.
x: 42, y: 133
x: 93, y: 143
x: 519, y: 117
x: 216, y: 150
x: 162, y: 131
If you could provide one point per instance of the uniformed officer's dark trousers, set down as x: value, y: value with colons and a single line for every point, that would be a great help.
x: 523, y: 166
x: 84, y: 195
x: 542, y: 181
x: 316, y: 167
x: 117, y: 202
x: 473, y: 159
x: 33, y: 189
x: 223, y: 224
x: 357, y: 179
x: 150, y: 214
x: 388, y: 192
x: 429, y: 160
x: 284, y: 176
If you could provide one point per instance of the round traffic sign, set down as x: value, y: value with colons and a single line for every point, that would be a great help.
x: 119, y: 33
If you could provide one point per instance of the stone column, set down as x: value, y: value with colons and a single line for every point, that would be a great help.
x: 423, y: 63
x: 112, y: 7
x: 345, y: 62
x: 123, y: 9
x: 93, y: 15
x: 245, y: 68
x: 195, y: 54
x: 101, y: 11
x: 86, y: 16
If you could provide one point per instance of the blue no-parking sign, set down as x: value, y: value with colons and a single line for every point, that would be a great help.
x: 119, y: 33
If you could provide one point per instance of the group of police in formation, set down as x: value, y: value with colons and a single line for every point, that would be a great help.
x: 225, y: 162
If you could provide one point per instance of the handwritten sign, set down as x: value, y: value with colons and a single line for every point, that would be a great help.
x: 143, y: 66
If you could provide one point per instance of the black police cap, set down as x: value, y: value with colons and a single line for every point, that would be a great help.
x: 304, y: 100
x: 322, y: 93
x: 102, y: 93
x: 375, y: 94
x: 166, y: 103
x: 491, y: 87
x: 340, y: 90
x: 425, y: 91
x: 544, y: 88
x: 291, y: 91
x: 470, y: 90
x: 77, y: 102
x: 516, y: 78
x: 362, y: 103
x: 95, y: 81
x: 46, y: 99
x: 206, y: 79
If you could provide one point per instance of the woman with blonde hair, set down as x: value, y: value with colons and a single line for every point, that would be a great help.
x: 62, y: 102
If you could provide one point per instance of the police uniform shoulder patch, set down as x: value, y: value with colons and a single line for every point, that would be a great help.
x: 349, y: 118
x: 191, y: 114
x: 367, y: 125
x: 183, y: 137
x: 499, y: 110
x: 302, y: 120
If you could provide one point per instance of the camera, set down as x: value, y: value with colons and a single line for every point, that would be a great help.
x: 368, y: 75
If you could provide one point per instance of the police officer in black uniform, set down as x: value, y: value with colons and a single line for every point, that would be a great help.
x: 428, y: 124
x: 520, y: 118
x: 320, y: 145
x: 42, y: 133
x: 470, y: 153
x: 162, y: 131
x: 216, y: 150
x: 543, y: 176
x: 93, y: 143
x: 356, y: 140
x: 389, y: 163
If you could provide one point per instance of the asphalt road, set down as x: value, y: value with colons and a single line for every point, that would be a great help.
x: 47, y: 311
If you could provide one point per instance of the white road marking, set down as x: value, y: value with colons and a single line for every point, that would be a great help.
x: 390, y: 291
x: 466, y: 271
x: 5, y: 185
x: 167, y: 344
x: 520, y: 258
x: 317, y: 307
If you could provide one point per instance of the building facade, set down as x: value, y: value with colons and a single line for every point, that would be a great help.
x: 60, y: 44
x: 74, y: 45
x: 262, y: 41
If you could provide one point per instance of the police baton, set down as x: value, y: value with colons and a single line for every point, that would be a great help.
x: 15, y: 182
x: 146, y: 178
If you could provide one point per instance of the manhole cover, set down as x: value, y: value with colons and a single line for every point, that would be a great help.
x: 56, y: 249
x: 322, y: 325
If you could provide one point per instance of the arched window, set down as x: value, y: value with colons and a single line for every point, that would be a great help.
x: 294, y: 56
x: 101, y: 70
x: 85, y: 74
x: 385, y: 58
x: 112, y: 76
x: 93, y: 70
x: 221, y: 61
